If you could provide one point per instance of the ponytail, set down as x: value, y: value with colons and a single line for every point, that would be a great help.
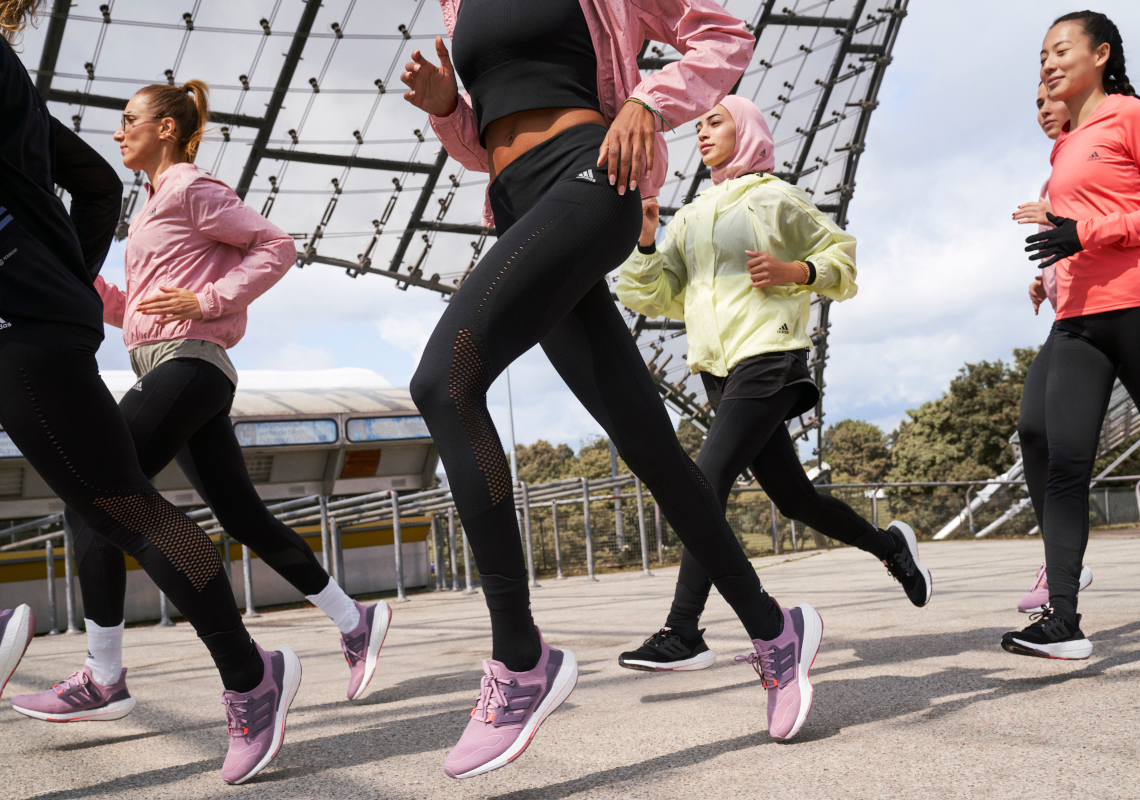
x: 1101, y: 30
x: 188, y: 105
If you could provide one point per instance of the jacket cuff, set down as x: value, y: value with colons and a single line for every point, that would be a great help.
x: 209, y: 311
x: 647, y: 251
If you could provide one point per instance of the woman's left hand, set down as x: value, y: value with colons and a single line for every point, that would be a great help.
x: 627, y: 152
x: 767, y: 270
x: 173, y: 305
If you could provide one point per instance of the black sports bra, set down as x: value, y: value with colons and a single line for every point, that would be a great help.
x: 518, y: 55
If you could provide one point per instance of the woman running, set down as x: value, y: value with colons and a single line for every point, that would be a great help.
x: 560, y: 117
x: 59, y: 413
x: 196, y: 257
x: 745, y: 296
x: 1095, y: 193
x: 1052, y: 116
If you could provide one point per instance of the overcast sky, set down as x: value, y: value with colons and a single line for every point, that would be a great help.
x: 952, y: 149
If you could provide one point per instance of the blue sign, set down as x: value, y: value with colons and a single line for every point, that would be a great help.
x: 271, y: 434
x: 379, y: 429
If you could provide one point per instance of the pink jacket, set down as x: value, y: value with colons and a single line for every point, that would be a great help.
x: 194, y: 233
x: 715, y: 46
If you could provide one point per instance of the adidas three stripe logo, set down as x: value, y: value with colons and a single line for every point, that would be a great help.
x: 783, y: 329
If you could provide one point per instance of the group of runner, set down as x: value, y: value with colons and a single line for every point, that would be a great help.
x: 573, y: 143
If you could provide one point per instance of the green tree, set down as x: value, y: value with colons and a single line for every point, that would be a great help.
x: 963, y: 435
x: 857, y: 452
x: 690, y: 437
x: 542, y: 462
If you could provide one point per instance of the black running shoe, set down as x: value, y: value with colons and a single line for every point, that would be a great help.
x: 905, y: 567
x: 667, y: 650
x: 1048, y: 635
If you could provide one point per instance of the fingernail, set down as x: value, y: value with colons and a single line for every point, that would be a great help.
x: 633, y: 184
x: 621, y: 190
x: 613, y: 179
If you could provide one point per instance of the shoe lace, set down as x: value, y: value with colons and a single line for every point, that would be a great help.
x: 350, y: 655
x: 1050, y: 622
x: 658, y: 639
x: 902, y: 566
x: 490, y: 697
x: 1040, y: 578
x: 77, y: 678
x: 236, y: 724
x: 764, y: 662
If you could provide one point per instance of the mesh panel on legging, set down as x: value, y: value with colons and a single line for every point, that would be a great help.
x: 181, y: 410
x: 559, y: 251
x: 751, y: 432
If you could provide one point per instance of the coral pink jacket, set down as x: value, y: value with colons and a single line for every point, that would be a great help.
x: 194, y: 233
x: 715, y: 46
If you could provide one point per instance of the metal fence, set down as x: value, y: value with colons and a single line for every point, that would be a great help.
x: 578, y: 526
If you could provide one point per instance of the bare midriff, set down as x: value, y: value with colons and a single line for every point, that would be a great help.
x: 510, y: 137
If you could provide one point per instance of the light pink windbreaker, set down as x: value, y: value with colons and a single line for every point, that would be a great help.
x: 715, y: 47
x: 1048, y: 274
x: 194, y: 233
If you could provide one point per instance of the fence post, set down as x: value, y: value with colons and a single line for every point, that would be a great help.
x: 69, y: 576
x: 454, y: 555
x: 227, y: 562
x: 437, y: 551
x: 398, y: 542
x: 326, y: 537
x: 875, y: 506
x: 970, y: 510
x: 49, y: 558
x: 619, y: 520
x: 586, y: 526
x: 247, y: 577
x: 641, y: 527
x: 660, y: 541
x: 528, y: 534
x: 775, y: 531
x: 558, y: 542
x: 164, y: 619
x: 1107, y: 514
x: 793, y: 524
x: 468, y: 573
x: 337, y: 551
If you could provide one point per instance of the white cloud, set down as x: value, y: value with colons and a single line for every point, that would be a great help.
x: 295, y: 356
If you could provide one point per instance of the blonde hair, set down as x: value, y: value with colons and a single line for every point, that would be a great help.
x: 188, y: 105
x: 15, y: 15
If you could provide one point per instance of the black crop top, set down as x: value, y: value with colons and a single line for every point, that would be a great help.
x: 518, y: 55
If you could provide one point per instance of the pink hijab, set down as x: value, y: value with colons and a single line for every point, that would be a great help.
x: 754, y: 151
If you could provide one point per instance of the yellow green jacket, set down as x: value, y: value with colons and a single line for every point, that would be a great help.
x: 699, y: 273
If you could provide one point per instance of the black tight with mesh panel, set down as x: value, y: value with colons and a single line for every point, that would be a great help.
x: 750, y: 432
x: 561, y: 229
x: 180, y: 410
x: 60, y: 415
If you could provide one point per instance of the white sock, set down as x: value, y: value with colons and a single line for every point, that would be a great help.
x: 339, y: 607
x: 105, y: 652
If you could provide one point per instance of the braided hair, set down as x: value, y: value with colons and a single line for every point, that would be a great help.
x: 1101, y: 30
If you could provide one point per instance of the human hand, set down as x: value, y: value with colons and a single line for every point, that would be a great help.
x: 628, y: 148
x: 1037, y: 294
x: 767, y: 270
x: 173, y: 305
x: 432, y: 89
x: 650, y: 215
x: 1056, y: 244
x: 1033, y: 213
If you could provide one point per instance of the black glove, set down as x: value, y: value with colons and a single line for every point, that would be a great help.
x: 1061, y: 242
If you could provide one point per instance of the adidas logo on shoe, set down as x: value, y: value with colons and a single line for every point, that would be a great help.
x: 5, y: 324
x: 588, y: 175
x: 783, y: 329
x: 1095, y: 156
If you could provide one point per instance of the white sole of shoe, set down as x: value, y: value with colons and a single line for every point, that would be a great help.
x: 107, y: 713
x: 1076, y: 650
x: 380, y: 622
x: 912, y: 545
x: 563, y: 684
x: 290, y: 683
x: 700, y: 661
x: 17, y: 637
x: 813, y: 634
x: 1084, y: 583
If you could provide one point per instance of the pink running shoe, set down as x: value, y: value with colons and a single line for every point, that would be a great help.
x: 17, y: 627
x: 510, y: 708
x: 362, y: 646
x: 1038, y: 596
x: 78, y: 699
x: 783, y: 664
x: 255, y: 720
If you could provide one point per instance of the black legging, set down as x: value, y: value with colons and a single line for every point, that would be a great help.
x: 181, y: 411
x: 60, y: 415
x: 1088, y: 354
x: 750, y: 432
x: 1031, y: 429
x: 544, y: 282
